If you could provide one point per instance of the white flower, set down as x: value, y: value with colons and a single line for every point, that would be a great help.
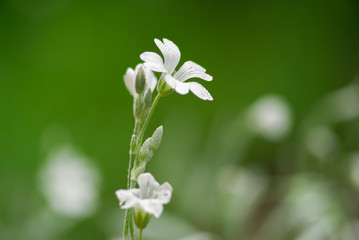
x: 270, y: 117
x: 176, y: 81
x: 130, y: 79
x: 70, y: 183
x: 150, y: 197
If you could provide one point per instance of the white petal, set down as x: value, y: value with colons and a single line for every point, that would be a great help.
x: 150, y: 79
x: 191, y: 70
x: 200, y: 91
x: 182, y: 87
x: 153, y: 61
x: 129, y: 79
x: 147, y: 184
x: 170, y: 81
x: 174, y: 53
x: 164, y: 193
x: 152, y: 206
x: 170, y: 52
x: 127, y: 198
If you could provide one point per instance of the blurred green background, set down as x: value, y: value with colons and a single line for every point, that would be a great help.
x: 274, y: 156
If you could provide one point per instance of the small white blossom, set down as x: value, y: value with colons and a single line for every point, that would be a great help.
x: 130, y: 79
x: 270, y: 117
x: 176, y: 80
x: 70, y: 183
x: 150, y: 197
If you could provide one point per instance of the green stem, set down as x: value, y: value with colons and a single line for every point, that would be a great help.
x: 140, y: 235
x: 128, y: 224
x: 157, y: 98
x: 133, y: 151
x: 135, y: 144
x: 144, y: 126
x: 128, y: 217
x: 132, y: 229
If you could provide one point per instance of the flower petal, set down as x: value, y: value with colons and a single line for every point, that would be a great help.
x: 170, y: 81
x: 170, y: 52
x: 129, y: 79
x: 150, y: 79
x: 191, y: 70
x: 127, y: 198
x: 153, y: 61
x: 152, y: 206
x: 200, y: 91
x: 164, y: 193
x: 180, y: 87
x: 147, y: 184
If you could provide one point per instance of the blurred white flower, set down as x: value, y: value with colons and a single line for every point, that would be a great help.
x: 130, y: 79
x: 69, y: 183
x: 354, y: 168
x: 150, y: 197
x: 270, y: 117
x: 321, y: 141
x: 345, y: 103
x: 189, y: 69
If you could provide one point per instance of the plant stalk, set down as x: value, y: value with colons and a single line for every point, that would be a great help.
x: 140, y: 235
x: 136, y: 141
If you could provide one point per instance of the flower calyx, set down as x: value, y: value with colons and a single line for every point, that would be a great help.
x: 141, y: 217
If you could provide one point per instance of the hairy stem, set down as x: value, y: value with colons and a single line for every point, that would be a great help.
x: 136, y: 141
x: 133, y: 149
x: 145, y: 123
x: 128, y: 224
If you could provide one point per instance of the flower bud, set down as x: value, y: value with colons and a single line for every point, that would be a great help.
x: 156, y: 138
x: 147, y: 101
x: 137, y: 107
x: 133, y: 143
x: 146, y: 152
x: 141, y: 217
x: 135, y: 172
x: 140, y: 82
x: 142, y: 104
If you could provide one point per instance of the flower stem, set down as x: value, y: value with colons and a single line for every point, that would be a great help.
x: 128, y: 217
x: 128, y: 224
x: 147, y: 120
x: 136, y: 141
x: 132, y: 229
x: 140, y: 235
x: 133, y: 149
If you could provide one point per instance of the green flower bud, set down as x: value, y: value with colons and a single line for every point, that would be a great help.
x: 133, y: 143
x: 141, y: 217
x: 135, y: 172
x: 137, y: 107
x: 163, y: 88
x: 140, y: 82
x: 146, y: 152
x: 147, y: 101
x: 156, y: 138
x: 142, y: 104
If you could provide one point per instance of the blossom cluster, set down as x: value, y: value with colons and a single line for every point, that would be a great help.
x: 175, y: 80
x: 141, y: 82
